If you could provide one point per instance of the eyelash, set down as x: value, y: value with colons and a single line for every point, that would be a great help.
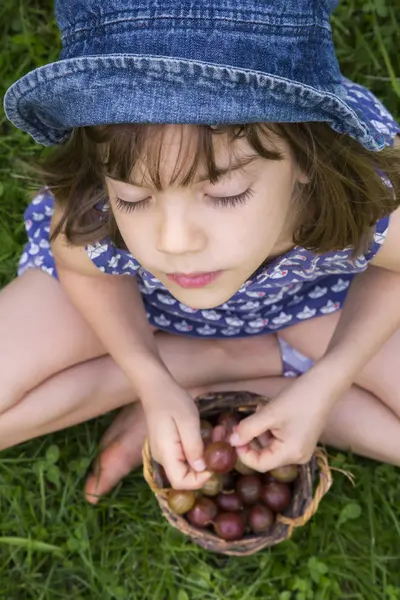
x: 226, y: 201
x: 130, y: 206
x: 233, y: 201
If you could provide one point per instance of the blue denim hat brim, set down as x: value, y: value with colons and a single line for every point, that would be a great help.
x: 186, y: 61
x: 49, y: 101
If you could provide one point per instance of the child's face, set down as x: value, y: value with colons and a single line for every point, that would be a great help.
x: 188, y: 231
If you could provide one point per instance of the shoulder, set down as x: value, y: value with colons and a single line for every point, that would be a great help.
x: 102, y: 257
x: 388, y: 255
x: 68, y: 256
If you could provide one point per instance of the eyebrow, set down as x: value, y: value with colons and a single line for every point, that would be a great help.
x: 221, y: 171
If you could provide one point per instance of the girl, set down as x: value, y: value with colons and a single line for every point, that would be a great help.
x: 213, y: 154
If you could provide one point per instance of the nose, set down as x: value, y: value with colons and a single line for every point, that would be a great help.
x: 178, y: 232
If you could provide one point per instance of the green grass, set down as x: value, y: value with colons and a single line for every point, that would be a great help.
x: 54, y: 546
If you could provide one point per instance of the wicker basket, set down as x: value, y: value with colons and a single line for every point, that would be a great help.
x: 304, y: 502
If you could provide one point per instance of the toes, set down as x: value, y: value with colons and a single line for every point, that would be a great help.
x: 121, y: 452
x: 115, y: 462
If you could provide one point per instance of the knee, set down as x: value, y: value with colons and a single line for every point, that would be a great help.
x: 385, y: 389
x: 10, y: 395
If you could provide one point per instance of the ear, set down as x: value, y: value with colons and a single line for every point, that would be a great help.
x: 301, y: 177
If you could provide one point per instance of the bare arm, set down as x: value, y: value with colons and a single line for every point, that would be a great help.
x: 369, y: 318
x: 113, y: 307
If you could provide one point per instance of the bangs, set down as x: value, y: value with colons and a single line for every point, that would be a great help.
x: 338, y: 207
x: 125, y: 149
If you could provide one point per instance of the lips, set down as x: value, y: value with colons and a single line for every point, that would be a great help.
x: 194, y: 280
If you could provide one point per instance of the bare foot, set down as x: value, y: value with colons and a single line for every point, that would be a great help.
x: 121, y: 448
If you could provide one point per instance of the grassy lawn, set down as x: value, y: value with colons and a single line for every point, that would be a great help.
x: 54, y: 546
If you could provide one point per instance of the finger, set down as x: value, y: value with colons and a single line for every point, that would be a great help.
x: 194, y: 481
x: 251, y: 427
x: 275, y: 455
x: 265, y: 438
x: 180, y: 474
x: 192, y: 444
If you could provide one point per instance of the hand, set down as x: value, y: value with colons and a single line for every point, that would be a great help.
x: 295, y: 421
x: 174, y: 431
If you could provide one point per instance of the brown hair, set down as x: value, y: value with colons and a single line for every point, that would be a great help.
x: 346, y: 194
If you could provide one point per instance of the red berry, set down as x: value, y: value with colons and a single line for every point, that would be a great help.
x: 220, y: 457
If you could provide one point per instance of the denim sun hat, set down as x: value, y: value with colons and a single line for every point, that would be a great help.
x: 189, y: 61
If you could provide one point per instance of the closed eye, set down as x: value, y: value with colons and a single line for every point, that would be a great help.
x: 131, y: 206
x: 232, y: 200
x: 229, y: 201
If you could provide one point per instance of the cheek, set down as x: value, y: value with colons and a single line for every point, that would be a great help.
x: 134, y: 232
x: 256, y: 231
x: 256, y: 222
x: 123, y: 222
x: 244, y: 240
x: 273, y: 206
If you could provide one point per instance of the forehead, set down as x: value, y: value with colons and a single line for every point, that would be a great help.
x: 185, y: 154
x: 159, y: 156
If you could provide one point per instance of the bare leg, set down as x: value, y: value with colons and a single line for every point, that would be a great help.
x: 96, y: 386
x: 45, y: 336
x: 381, y: 374
x: 360, y: 421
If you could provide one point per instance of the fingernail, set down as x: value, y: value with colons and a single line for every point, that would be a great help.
x: 199, y: 465
x: 234, y: 439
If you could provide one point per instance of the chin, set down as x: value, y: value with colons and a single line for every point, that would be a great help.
x: 200, y: 299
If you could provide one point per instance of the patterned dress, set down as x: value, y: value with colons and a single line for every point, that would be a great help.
x: 295, y: 286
